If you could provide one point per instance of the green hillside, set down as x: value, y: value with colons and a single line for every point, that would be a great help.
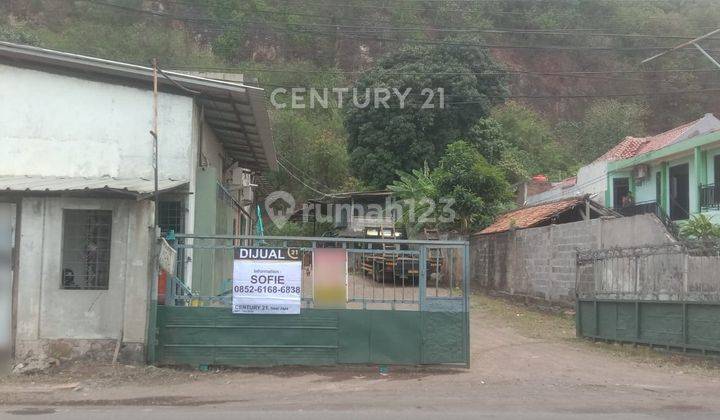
x: 571, y: 68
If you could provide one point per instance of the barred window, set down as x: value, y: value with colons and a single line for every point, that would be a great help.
x: 172, y: 217
x: 86, y: 249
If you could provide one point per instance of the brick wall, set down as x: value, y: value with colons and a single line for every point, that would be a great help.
x: 540, y: 262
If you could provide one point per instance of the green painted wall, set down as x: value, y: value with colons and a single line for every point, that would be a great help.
x: 213, y: 216
x: 701, y: 172
x: 215, y: 336
x: 687, y: 326
x: 205, y: 221
x: 645, y: 189
x: 665, y: 189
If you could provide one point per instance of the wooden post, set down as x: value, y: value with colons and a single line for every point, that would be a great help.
x: 587, y: 209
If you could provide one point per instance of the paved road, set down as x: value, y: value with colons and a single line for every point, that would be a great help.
x: 523, y: 366
x: 232, y: 411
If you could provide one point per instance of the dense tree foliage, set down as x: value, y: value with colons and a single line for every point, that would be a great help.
x: 519, y: 141
x: 464, y: 192
x: 478, y: 190
x: 604, y: 125
x: 382, y: 140
x: 417, y: 191
x: 562, y: 59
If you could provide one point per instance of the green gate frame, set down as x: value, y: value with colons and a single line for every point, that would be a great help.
x: 437, y: 333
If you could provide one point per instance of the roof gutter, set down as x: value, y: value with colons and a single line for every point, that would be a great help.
x: 114, y: 68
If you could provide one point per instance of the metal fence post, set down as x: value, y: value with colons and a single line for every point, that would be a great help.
x: 422, y: 276
x: 466, y: 301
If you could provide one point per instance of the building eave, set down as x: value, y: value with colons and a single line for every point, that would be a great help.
x: 673, y: 149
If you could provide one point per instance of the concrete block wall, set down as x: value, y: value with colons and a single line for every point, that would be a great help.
x: 540, y: 262
x: 70, y: 323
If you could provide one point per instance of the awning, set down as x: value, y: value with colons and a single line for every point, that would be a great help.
x: 236, y: 112
x: 138, y: 187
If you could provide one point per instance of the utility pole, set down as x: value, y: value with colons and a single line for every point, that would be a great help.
x: 150, y: 338
x: 694, y: 43
x: 154, y: 134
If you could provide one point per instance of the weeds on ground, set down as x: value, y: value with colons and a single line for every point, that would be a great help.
x: 532, y: 322
x: 526, y: 320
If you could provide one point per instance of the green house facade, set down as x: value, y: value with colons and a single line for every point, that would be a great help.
x: 675, y: 178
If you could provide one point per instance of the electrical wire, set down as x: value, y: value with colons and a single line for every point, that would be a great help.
x: 407, y: 41
x: 450, y: 73
x: 394, y: 7
x: 570, y: 96
x: 300, y: 180
x: 476, y: 29
x: 305, y: 174
x: 518, y: 30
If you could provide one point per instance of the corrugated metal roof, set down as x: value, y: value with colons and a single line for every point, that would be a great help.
x: 527, y: 217
x: 138, y: 186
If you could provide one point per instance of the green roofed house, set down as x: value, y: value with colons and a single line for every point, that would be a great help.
x: 675, y: 174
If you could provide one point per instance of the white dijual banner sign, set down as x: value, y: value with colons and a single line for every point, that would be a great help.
x: 266, y: 286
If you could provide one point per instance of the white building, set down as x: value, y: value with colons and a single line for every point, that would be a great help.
x: 76, y: 189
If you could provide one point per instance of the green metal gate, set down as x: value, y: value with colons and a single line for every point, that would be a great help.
x: 407, y: 303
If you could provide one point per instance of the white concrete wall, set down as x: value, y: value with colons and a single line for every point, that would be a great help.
x: 55, y: 125
x: 47, y: 312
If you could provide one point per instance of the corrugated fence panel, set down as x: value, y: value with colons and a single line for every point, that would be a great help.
x: 626, y: 321
x: 661, y: 323
x: 691, y: 326
x: 607, y: 320
x: 704, y: 326
x: 395, y: 337
x: 443, y: 337
x: 586, y: 317
x: 215, y: 336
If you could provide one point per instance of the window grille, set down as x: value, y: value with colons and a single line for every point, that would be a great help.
x: 86, y: 249
x: 172, y: 216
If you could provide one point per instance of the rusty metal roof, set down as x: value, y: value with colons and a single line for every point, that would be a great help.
x: 137, y: 187
x: 531, y: 216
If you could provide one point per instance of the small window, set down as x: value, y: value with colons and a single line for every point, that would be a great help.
x: 172, y: 217
x: 86, y: 249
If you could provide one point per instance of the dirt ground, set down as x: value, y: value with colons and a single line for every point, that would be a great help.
x: 522, y: 360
